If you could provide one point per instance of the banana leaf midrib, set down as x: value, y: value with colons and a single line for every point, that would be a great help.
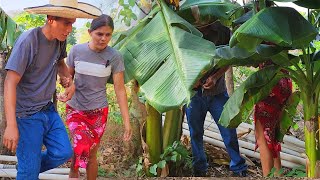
x: 169, y: 30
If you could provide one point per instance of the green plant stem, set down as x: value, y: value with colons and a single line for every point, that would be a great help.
x: 307, y: 62
x: 310, y: 107
x: 153, y: 134
x: 171, y: 127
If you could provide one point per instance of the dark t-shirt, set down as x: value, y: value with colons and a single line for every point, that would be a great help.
x: 219, y: 35
x: 35, y: 58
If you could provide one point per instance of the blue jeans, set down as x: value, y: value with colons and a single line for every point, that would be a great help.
x: 196, y: 113
x: 44, y: 127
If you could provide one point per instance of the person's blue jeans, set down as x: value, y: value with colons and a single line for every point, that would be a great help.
x: 42, y: 128
x: 196, y: 113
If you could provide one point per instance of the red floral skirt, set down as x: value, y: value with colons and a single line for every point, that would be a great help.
x: 269, y: 110
x: 86, y: 129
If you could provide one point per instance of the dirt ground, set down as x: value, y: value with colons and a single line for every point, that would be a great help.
x: 116, y: 159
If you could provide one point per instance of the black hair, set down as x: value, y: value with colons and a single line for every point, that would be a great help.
x: 103, y: 20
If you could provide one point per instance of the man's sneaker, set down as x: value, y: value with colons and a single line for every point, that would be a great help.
x: 198, y: 173
x: 240, y: 174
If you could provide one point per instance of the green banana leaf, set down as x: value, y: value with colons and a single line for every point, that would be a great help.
x: 9, y: 31
x: 284, y: 59
x: 3, y: 24
x: 236, y: 56
x: 121, y: 39
x: 311, y: 4
x: 257, y: 86
x: 203, y: 12
x: 243, y: 18
x: 288, y: 114
x: 166, y: 56
x: 283, y: 26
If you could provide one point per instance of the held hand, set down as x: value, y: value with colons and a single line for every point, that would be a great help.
x: 127, y: 132
x: 210, y: 82
x: 68, y: 93
x: 65, y: 81
x: 11, y: 138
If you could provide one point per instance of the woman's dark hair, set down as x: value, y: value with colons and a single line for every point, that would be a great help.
x: 103, y: 20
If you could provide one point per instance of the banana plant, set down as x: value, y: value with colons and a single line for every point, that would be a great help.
x: 286, y: 29
x: 166, y: 55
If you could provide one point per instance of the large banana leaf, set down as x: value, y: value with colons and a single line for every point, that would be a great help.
x: 236, y: 56
x: 311, y: 4
x: 288, y: 115
x: 258, y: 86
x: 166, y: 56
x: 203, y: 12
x: 283, y: 26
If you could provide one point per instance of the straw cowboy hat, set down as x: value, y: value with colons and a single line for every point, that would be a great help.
x: 66, y: 9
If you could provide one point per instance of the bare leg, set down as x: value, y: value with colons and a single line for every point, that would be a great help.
x: 92, y: 166
x: 265, y: 154
x: 73, y: 172
x: 277, y: 164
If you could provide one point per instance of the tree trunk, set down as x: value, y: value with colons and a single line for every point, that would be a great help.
x: 2, y: 116
x: 229, y: 81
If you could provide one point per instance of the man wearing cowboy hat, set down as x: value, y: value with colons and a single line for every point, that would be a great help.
x: 36, y: 59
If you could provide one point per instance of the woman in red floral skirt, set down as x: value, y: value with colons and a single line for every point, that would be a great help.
x: 267, y: 114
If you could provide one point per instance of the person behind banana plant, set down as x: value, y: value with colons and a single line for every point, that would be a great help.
x: 211, y: 96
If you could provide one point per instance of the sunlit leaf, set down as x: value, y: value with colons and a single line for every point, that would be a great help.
x: 166, y: 55
x: 283, y: 26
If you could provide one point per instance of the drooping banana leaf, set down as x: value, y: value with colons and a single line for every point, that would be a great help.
x: 255, y: 88
x: 3, y: 24
x: 166, y: 56
x: 121, y: 39
x: 203, y: 12
x: 243, y: 18
x: 236, y: 56
x: 284, y: 59
x: 283, y: 26
x: 288, y: 113
x: 9, y: 31
x: 311, y: 4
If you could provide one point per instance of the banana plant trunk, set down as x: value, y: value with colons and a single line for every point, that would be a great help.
x: 153, y: 134
x: 311, y: 127
x: 2, y: 116
x: 172, y: 127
